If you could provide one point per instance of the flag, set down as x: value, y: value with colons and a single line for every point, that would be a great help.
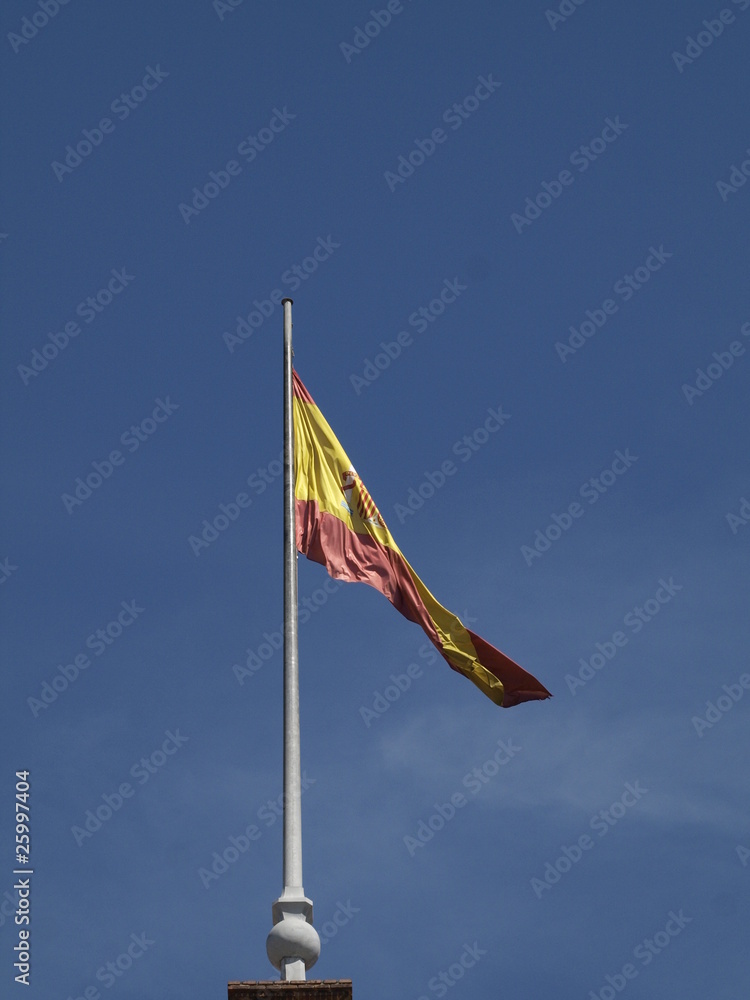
x: 339, y: 525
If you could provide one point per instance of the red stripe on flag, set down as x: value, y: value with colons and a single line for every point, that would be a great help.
x: 519, y: 685
x: 299, y: 390
x: 354, y: 557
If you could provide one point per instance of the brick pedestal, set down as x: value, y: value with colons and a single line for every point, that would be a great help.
x: 275, y: 989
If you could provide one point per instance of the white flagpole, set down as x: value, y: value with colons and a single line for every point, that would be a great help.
x: 293, y: 945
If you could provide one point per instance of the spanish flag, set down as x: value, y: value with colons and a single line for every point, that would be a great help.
x: 339, y: 526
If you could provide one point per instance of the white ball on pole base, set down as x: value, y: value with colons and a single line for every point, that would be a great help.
x: 293, y: 945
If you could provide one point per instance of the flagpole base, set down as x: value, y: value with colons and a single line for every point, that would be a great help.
x: 293, y: 946
x: 314, y: 989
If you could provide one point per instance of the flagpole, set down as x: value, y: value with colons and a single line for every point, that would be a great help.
x: 293, y: 945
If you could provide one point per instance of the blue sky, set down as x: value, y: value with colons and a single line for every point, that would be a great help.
x: 488, y: 208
